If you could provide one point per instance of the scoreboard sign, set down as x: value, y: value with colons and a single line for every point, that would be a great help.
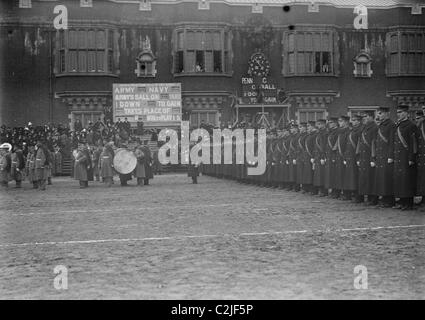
x: 251, y: 87
x: 156, y: 104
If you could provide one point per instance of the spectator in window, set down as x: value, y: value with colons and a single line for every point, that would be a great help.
x: 325, y: 68
x: 199, y: 68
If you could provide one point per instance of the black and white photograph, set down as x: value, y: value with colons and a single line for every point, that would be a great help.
x: 220, y: 150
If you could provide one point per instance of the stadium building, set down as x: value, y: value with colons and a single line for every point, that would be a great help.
x: 236, y: 60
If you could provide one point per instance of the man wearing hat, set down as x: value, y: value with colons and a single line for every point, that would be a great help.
x: 42, y: 163
x: 301, y: 154
x: 384, y: 157
x: 284, y: 167
x: 340, y: 162
x: 420, y: 159
x: 309, y: 163
x: 405, y: 149
x: 292, y: 158
x: 350, y: 181
x: 17, y: 164
x: 82, y: 165
x: 319, y: 157
x: 365, y: 159
x: 5, y: 164
x: 330, y: 153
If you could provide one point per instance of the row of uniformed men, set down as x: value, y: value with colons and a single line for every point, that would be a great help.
x: 37, y: 166
x: 366, y: 160
x: 96, y: 162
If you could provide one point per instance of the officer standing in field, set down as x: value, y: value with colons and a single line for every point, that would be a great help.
x: 42, y: 163
x: 405, y: 149
x: 284, y: 162
x: 340, y: 162
x: 330, y: 153
x: 365, y: 159
x: 319, y: 157
x: 292, y: 158
x: 420, y: 159
x: 351, y: 177
x: 301, y: 155
x: 5, y: 164
x: 17, y: 164
x: 384, y: 158
x: 309, y: 165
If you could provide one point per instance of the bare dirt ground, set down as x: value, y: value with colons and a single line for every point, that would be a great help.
x: 215, y: 240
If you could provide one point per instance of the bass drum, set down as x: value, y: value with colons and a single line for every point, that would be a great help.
x: 124, y: 161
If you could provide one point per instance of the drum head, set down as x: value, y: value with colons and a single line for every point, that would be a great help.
x: 124, y: 161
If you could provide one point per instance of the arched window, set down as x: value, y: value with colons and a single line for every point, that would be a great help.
x: 362, y: 65
x: 146, y: 65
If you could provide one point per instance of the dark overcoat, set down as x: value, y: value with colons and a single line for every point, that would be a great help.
x: 405, y: 145
x: 384, y: 150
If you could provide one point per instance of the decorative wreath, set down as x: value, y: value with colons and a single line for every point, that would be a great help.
x: 258, y: 65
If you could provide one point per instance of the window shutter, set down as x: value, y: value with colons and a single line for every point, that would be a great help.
x: 389, y: 44
x: 336, y: 55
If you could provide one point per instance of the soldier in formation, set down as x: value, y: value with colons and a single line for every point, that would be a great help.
x: 363, y: 159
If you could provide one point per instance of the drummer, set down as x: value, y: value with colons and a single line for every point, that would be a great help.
x: 124, y: 178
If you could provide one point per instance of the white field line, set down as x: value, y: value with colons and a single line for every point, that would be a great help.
x: 143, y: 208
x: 119, y: 209
x: 8, y: 245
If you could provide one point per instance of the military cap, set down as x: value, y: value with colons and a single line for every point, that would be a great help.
x: 384, y: 109
x: 419, y: 113
x: 312, y: 123
x: 356, y: 117
x: 403, y: 107
x: 321, y: 120
x: 303, y: 124
x: 368, y: 113
x: 345, y: 118
x: 333, y: 119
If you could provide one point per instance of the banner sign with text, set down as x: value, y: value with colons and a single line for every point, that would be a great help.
x: 252, y: 86
x: 156, y: 104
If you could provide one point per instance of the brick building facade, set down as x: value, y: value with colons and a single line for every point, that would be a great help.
x: 306, y: 56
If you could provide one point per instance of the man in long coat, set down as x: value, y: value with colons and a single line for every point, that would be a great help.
x: 319, y: 157
x: 139, y: 172
x: 340, y: 162
x: 301, y: 154
x: 42, y: 163
x: 148, y: 164
x: 405, y: 149
x: 330, y: 153
x: 308, y: 169
x: 292, y: 158
x: 106, y: 164
x: 420, y: 159
x: 284, y: 162
x: 17, y: 164
x: 365, y: 158
x: 384, y: 157
x: 351, y: 171
x: 81, y: 165
x: 5, y: 164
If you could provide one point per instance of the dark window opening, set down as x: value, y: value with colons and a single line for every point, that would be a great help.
x: 217, y: 61
x: 200, y: 62
x: 179, y: 62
